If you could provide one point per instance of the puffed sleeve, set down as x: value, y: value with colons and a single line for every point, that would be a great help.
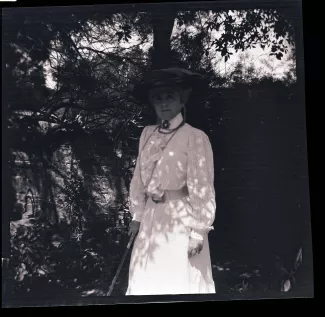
x: 137, y: 193
x: 200, y: 183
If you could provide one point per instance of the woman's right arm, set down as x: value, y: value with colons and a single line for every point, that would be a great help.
x: 137, y: 192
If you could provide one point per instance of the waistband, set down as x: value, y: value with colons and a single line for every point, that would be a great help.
x: 170, y: 195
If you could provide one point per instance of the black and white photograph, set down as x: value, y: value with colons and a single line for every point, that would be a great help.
x: 154, y: 152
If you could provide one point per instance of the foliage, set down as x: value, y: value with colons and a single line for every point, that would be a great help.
x: 90, y: 106
x: 61, y: 256
x: 232, y: 31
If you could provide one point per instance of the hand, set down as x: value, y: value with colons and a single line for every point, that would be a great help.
x: 195, y: 246
x: 134, y: 227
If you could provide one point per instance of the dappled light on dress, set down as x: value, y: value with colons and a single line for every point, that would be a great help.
x: 159, y: 262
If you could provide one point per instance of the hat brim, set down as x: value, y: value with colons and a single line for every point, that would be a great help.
x: 189, y: 82
x: 168, y: 78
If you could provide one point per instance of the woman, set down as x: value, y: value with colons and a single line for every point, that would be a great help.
x: 172, y: 197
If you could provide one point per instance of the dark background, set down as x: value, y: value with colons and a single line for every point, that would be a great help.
x: 69, y: 150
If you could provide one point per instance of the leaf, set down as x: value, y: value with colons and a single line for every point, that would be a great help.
x: 22, y: 272
x: 56, y: 244
x: 286, y: 286
x: 279, y: 56
x: 119, y: 35
x: 21, y: 276
x: 41, y: 272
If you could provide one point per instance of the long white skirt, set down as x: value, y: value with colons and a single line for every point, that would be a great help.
x: 159, y: 260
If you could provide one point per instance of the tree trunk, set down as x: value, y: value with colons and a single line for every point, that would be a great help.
x: 162, y: 24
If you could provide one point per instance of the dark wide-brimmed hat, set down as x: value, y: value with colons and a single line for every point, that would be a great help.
x: 168, y: 77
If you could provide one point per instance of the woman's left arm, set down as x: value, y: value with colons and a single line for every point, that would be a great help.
x: 200, y: 183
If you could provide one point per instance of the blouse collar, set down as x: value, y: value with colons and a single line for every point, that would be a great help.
x: 175, y: 122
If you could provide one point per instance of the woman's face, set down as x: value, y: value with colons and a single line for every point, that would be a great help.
x: 167, y: 103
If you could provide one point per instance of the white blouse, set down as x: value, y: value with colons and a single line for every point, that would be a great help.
x: 186, y: 160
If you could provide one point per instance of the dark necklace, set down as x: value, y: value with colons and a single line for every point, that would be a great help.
x: 175, y: 130
x: 165, y: 125
x: 157, y: 128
